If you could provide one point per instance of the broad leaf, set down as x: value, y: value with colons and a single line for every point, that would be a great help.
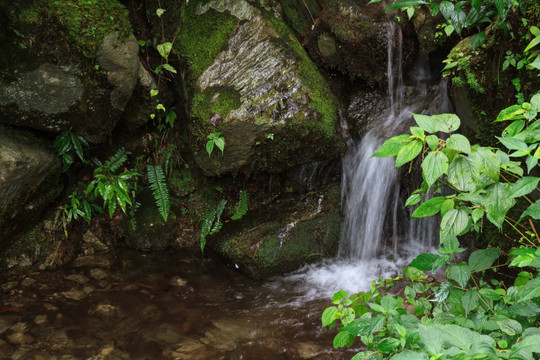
x: 454, y: 222
x: 514, y: 112
x: 459, y: 273
x: 513, y: 143
x: 533, y: 211
x: 497, y: 202
x: 405, y: 3
x: 483, y: 259
x: 409, y: 355
x: 432, y: 340
x: 487, y: 162
x: 413, y: 200
x: 426, y: 122
x: 524, y: 186
x: 409, y: 152
x: 447, y: 122
x: 479, y: 38
x: 434, y: 166
x: 367, y: 355
x: 531, y: 290
x: 428, y: 208
x: 432, y: 141
x: 469, y: 300
x: 164, y: 49
x: 388, y: 345
x: 329, y: 315
x: 459, y: 142
x: 392, y: 146
x: 510, y: 327
x: 446, y: 8
x: 343, y: 338
x: 463, y: 174
x: 425, y: 262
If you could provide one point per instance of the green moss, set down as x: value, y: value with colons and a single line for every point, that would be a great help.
x: 300, y: 14
x: 86, y: 22
x: 322, y: 98
x: 202, y: 37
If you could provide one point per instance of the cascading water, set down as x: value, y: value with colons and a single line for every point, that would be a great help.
x: 378, y: 237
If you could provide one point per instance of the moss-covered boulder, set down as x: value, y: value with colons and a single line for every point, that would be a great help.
x: 284, y: 236
x: 29, y: 181
x: 253, y: 82
x: 66, y: 65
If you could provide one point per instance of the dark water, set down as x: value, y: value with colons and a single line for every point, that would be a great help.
x: 128, y: 305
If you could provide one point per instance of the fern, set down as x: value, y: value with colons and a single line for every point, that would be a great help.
x: 241, y: 207
x: 210, y: 223
x: 116, y: 161
x: 158, y: 184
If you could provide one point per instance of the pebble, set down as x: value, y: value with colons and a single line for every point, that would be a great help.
x: 77, y: 278
x: 99, y: 274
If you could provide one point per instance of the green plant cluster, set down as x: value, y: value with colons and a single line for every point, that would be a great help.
x: 469, y: 315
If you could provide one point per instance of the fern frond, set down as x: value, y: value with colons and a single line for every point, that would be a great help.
x: 116, y: 161
x: 158, y: 184
x: 210, y: 223
x: 241, y: 207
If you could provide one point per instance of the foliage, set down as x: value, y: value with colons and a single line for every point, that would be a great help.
x: 210, y: 222
x: 115, y: 189
x: 461, y: 15
x: 158, y: 184
x: 215, y: 139
x: 241, y: 207
x: 467, y: 316
x: 70, y: 146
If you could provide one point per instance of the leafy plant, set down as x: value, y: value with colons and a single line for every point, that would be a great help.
x: 210, y: 222
x: 70, y: 146
x: 241, y: 207
x: 468, y: 315
x: 215, y: 139
x: 115, y: 189
x: 158, y: 184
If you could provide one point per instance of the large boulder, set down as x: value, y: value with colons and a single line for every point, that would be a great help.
x: 253, y: 83
x: 285, y: 235
x: 66, y: 66
x: 29, y: 181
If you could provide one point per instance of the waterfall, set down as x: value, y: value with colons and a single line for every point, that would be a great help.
x: 378, y: 236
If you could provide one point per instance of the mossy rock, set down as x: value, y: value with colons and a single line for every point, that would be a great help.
x: 284, y: 236
x: 66, y: 65
x: 278, y: 92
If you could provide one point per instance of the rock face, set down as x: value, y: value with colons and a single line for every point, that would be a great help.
x: 72, y: 67
x: 29, y: 180
x: 272, y: 106
x: 285, y: 236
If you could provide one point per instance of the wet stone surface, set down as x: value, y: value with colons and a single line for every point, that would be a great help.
x: 167, y: 305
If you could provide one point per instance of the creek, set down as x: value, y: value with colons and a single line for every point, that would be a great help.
x: 181, y: 305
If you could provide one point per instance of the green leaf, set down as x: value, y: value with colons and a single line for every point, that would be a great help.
x: 434, y: 166
x: 514, y: 128
x: 454, y: 222
x: 446, y: 8
x: 469, y: 300
x: 529, y: 344
x: 459, y: 142
x: 417, y: 132
x: 413, y: 200
x: 409, y: 152
x: 425, y: 262
x: 432, y: 340
x: 510, y: 327
x: 463, y: 174
x: 531, y: 162
x: 524, y: 186
x: 164, y: 49
x: 447, y: 205
x: 433, y: 142
x: 533, y: 43
x: 376, y: 307
x: 388, y: 345
x: 367, y: 355
x: 487, y: 162
x: 329, y: 315
x: 220, y: 143
x: 460, y: 273
x: 530, y: 291
x: 514, y: 112
x: 409, y: 355
x: 428, y: 208
x: 169, y: 68
x: 513, y: 143
x: 158, y: 185
x: 405, y: 3
x: 483, y: 259
x: 427, y: 123
x: 447, y: 122
x: 210, y: 146
x: 497, y: 203
x: 478, y: 39
x: 533, y: 211
x: 340, y: 295
x: 343, y: 338
x: 392, y: 146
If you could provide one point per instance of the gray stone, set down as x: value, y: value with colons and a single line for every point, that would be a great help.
x: 78, y: 278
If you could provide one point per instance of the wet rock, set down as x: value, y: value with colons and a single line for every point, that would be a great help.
x: 189, y: 349
x: 19, y: 335
x: 226, y: 333
x: 286, y: 235
x: 106, y: 310
x: 307, y: 350
x: 29, y: 175
x: 28, y: 281
x: 4, y: 325
x: 99, y: 274
x: 5, y: 349
x: 77, y: 278
x: 66, y: 78
x: 93, y: 243
x: 276, y: 113
x: 94, y: 261
x: 178, y: 281
x: 40, y: 319
x: 9, y: 285
x: 365, y: 108
x: 167, y: 333
x: 78, y: 294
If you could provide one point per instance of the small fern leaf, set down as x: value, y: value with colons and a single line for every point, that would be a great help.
x: 156, y: 177
x: 241, y: 207
x: 116, y: 161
